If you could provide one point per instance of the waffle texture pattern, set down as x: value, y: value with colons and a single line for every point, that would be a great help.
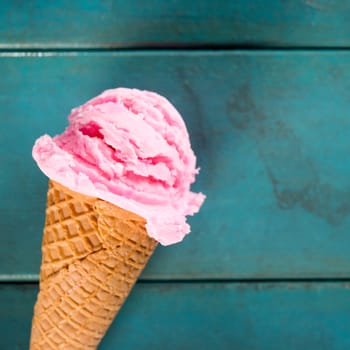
x: 92, y: 254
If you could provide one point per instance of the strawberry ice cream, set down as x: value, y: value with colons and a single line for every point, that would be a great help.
x: 130, y: 148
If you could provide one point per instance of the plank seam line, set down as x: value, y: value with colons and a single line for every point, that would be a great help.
x: 23, y: 279
x: 153, y: 49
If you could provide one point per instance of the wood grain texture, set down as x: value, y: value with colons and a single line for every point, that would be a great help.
x: 208, y: 316
x: 271, y: 130
x: 156, y: 23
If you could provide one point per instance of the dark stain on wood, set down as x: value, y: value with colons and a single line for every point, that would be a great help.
x: 204, y: 141
x: 294, y: 179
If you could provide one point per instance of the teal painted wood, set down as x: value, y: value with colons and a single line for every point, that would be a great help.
x: 208, y: 316
x: 117, y: 23
x: 271, y: 130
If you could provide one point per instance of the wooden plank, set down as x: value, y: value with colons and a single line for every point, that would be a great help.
x: 134, y: 23
x: 271, y: 131
x: 208, y: 316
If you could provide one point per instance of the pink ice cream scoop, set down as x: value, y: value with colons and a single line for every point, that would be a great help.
x: 130, y: 148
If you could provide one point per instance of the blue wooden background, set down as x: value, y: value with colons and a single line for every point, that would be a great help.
x: 264, y: 87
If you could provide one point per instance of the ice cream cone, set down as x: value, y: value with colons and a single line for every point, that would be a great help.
x: 131, y: 149
x: 92, y: 254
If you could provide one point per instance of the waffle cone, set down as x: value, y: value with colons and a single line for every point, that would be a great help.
x: 92, y: 254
